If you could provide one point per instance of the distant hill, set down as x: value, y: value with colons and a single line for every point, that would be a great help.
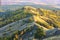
x: 58, y: 4
x: 22, y: 4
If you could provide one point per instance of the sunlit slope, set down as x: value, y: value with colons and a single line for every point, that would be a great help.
x: 52, y: 16
x: 46, y: 18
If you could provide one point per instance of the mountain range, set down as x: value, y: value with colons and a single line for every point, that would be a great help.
x: 22, y: 4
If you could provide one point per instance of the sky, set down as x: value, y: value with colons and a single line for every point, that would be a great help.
x: 44, y: 2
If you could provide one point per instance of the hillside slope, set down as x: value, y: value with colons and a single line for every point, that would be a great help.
x: 17, y: 23
x: 46, y: 18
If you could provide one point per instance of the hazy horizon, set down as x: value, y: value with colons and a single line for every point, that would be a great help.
x: 53, y: 3
x: 45, y: 2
